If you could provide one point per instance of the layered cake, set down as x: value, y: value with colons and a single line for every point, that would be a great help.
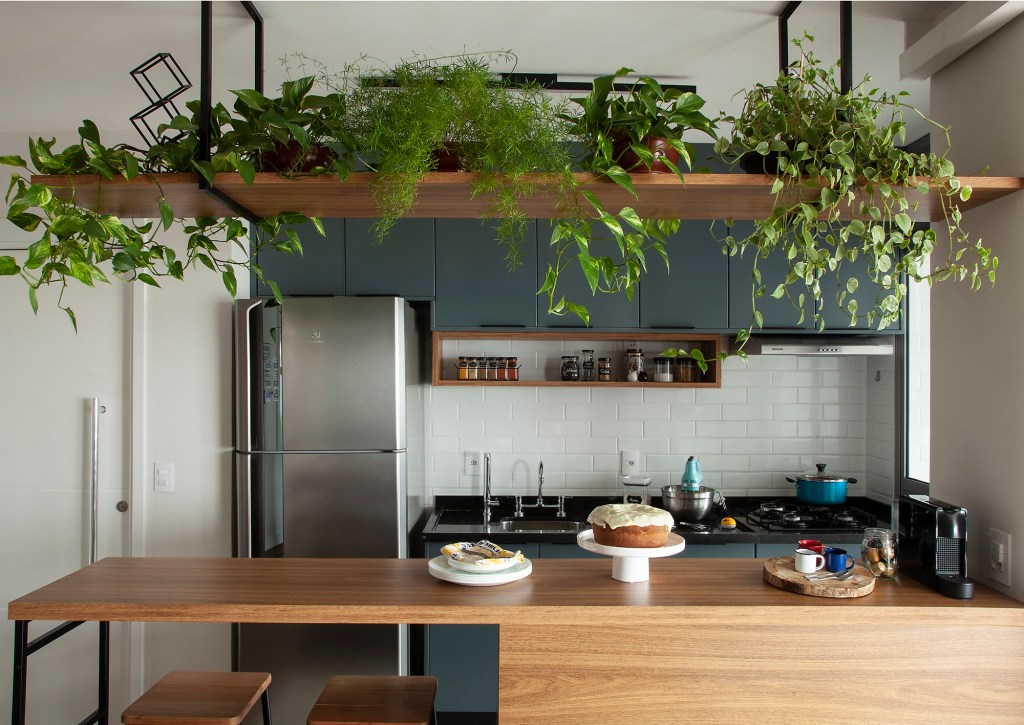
x: 632, y: 525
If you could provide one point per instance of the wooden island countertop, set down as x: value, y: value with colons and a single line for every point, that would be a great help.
x: 701, y: 638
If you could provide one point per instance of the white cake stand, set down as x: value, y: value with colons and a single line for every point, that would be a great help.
x: 628, y: 564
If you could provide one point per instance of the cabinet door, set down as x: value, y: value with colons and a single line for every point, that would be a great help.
x: 606, y: 310
x: 778, y: 314
x: 402, y: 265
x: 474, y: 285
x: 717, y: 551
x: 450, y: 649
x: 319, y: 270
x: 693, y: 294
x: 567, y: 551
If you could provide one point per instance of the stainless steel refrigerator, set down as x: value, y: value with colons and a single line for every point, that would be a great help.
x: 328, y: 463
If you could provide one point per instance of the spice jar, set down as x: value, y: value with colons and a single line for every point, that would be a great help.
x: 634, y: 362
x: 492, y: 368
x: 878, y: 552
x: 473, y: 370
x: 462, y: 366
x: 588, y: 366
x: 604, y: 369
x: 512, y: 371
x: 502, y: 368
x: 686, y: 370
x: 662, y: 370
x: 570, y: 367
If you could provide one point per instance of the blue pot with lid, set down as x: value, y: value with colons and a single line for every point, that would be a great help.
x: 820, y: 488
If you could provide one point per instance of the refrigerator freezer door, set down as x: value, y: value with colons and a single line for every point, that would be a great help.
x: 343, y: 373
x: 331, y: 504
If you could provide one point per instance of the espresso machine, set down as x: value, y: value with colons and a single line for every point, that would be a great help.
x: 933, y: 544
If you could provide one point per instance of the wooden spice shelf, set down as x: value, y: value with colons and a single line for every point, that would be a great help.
x: 443, y: 370
x: 447, y: 195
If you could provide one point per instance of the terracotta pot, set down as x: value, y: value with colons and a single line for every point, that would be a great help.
x: 754, y: 163
x: 291, y: 158
x: 658, y: 146
x: 447, y: 157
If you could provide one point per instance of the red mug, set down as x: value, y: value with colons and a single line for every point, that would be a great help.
x: 813, y: 544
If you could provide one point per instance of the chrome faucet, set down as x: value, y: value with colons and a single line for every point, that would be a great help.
x: 488, y: 501
x: 540, y: 497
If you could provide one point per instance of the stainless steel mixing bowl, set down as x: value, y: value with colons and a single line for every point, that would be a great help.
x: 689, y: 506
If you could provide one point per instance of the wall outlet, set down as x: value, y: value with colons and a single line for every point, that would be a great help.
x: 999, y: 556
x: 474, y: 463
x: 629, y: 463
x: 163, y: 477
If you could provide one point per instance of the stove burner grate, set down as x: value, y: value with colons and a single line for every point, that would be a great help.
x: 784, y: 515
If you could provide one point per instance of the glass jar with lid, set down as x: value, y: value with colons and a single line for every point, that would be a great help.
x: 634, y: 363
x: 878, y: 552
x: 687, y: 370
x: 588, y: 366
x: 570, y: 367
x: 604, y: 369
x: 662, y: 370
x: 512, y: 371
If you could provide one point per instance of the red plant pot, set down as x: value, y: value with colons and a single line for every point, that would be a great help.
x: 659, y: 147
x: 292, y: 158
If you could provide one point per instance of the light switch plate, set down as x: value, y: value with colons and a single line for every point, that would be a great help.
x: 474, y: 463
x: 999, y: 556
x: 163, y: 477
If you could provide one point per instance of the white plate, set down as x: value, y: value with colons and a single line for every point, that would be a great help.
x: 673, y: 545
x: 440, y: 569
x: 471, y: 567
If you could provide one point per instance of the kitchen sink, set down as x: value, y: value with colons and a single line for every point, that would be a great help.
x: 542, y: 525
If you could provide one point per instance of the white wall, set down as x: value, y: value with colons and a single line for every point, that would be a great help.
x: 977, y: 350
x: 775, y: 417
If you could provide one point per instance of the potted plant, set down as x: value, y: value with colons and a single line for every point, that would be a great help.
x: 841, y: 193
x: 77, y: 243
x: 638, y: 131
x: 453, y: 112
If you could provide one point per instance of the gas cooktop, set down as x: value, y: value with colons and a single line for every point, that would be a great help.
x: 790, y: 515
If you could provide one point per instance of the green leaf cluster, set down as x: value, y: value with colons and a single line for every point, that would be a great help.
x: 840, y: 191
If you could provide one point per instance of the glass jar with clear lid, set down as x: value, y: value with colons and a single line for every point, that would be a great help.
x: 662, y: 370
x: 878, y: 552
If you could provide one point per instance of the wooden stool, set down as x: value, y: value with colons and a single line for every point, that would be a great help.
x: 200, y: 698
x: 373, y: 700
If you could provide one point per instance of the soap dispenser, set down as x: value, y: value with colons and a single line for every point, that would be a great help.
x: 692, y: 476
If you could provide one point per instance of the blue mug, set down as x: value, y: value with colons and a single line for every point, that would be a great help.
x: 837, y: 560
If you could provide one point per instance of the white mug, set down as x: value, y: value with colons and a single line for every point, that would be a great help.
x: 807, y: 561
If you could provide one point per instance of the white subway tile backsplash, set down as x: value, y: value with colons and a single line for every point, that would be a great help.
x: 589, y: 445
x: 776, y: 416
x: 613, y: 428
x: 749, y: 446
x: 643, y: 411
x: 721, y: 429
x: 670, y: 428
x: 696, y: 412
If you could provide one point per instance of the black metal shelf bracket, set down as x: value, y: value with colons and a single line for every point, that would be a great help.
x: 845, y: 41
x: 206, y: 96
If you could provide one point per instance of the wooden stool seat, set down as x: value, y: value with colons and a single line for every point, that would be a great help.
x: 199, y: 698
x: 373, y: 700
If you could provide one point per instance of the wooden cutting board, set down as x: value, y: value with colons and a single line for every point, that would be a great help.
x: 779, y: 572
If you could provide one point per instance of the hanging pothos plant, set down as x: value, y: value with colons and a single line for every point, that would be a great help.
x: 636, y: 131
x: 841, y: 192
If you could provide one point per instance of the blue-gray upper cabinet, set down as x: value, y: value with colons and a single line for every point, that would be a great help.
x: 319, y: 270
x: 778, y: 314
x: 474, y: 285
x: 693, y: 293
x: 401, y: 265
x: 606, y: 310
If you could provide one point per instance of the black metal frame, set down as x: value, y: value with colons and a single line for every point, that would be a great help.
x: 845, y: 40
x: 206, y: 95
x: 23, y: 648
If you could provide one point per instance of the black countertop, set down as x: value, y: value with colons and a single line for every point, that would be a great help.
x: 460, y: 518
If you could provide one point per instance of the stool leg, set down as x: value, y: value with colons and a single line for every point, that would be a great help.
x: 265, y: 703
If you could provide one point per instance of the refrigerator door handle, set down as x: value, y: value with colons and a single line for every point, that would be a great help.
x: 243, y: 494
x: 243, y: 373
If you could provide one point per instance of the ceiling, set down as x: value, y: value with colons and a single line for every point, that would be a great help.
x: 63, y: 62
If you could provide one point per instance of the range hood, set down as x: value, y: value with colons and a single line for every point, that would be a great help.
x: 819, y: 345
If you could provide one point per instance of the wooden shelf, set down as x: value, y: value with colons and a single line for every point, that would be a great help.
x: 501, y: 343
x: 447, y: 195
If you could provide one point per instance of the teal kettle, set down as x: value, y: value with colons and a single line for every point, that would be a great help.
x: 692, y: 476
